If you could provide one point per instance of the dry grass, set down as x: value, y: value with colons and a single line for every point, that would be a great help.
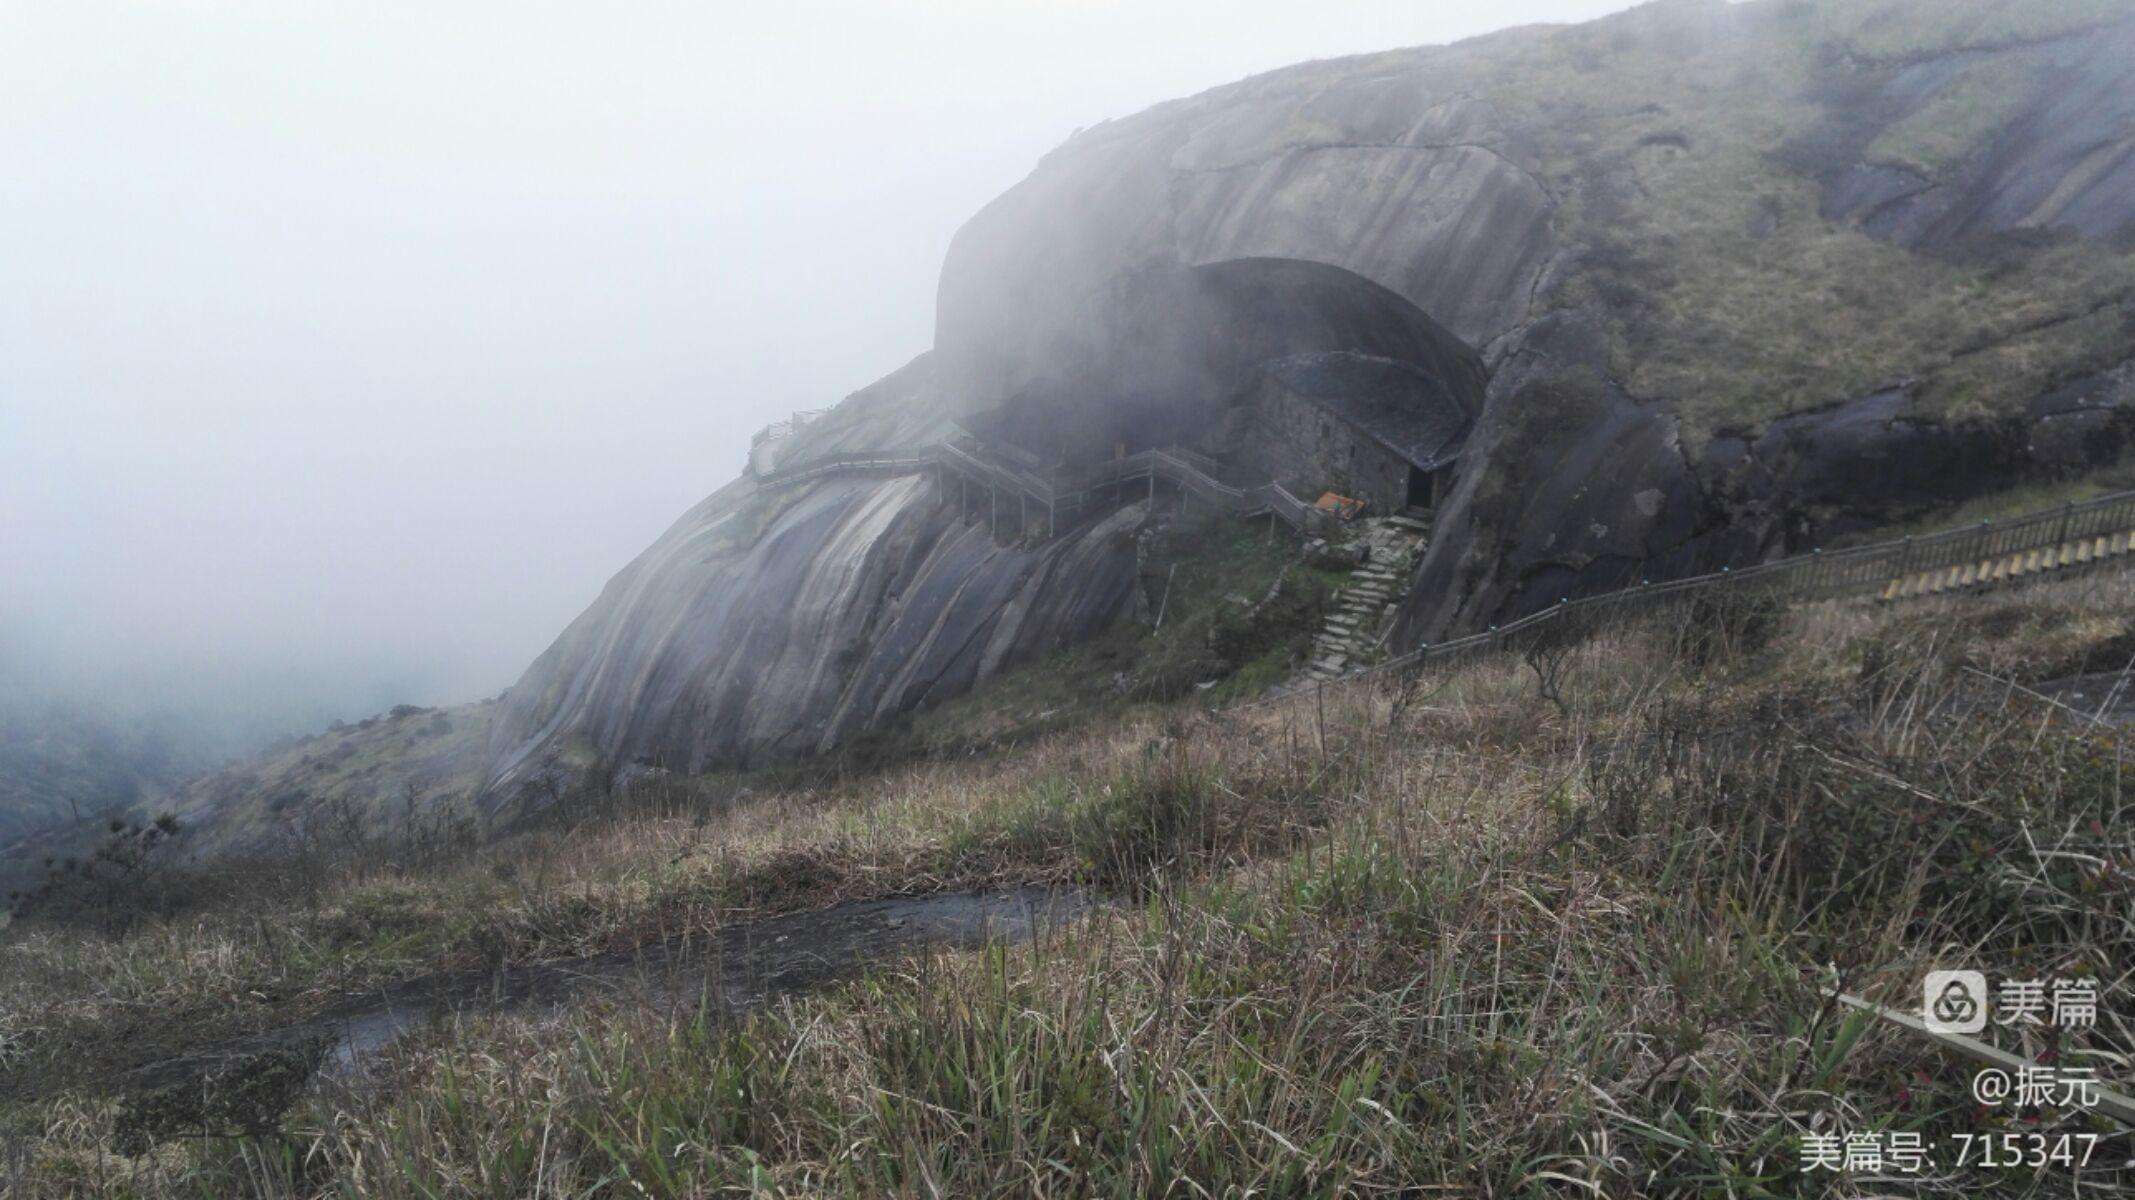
x: 1442, y: 936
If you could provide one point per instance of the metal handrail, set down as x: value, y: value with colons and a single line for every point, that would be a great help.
x: 1816, y: 575
x: 1852, y: 570
x: 831, y: 464
x: 786, y: 427
x: 1068, y: 487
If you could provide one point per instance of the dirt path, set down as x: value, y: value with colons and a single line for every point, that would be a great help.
x: 732, y: 969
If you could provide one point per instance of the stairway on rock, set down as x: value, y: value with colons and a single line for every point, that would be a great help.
x: 2011, y: 567
x: 1357, y: 626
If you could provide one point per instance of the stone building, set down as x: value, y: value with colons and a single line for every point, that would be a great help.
x: 1380, y: 430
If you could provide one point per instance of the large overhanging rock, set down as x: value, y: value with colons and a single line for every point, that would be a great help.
x: 1163, y: 355
x: 1389, y: 173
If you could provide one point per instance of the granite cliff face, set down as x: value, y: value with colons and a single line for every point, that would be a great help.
x: 846, y: 603
x: 773, y: 622
x: 1744, y: 276
x: 779, y: 620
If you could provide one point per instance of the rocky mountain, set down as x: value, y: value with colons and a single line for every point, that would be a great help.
x: 1741, y: 277
x: 774, y: 622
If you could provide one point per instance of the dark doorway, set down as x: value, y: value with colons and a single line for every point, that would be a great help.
x: 1419, y: 488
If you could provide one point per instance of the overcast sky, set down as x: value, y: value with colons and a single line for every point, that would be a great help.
x: 346, y: 350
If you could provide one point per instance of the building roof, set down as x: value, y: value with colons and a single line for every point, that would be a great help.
x: 1398, y: 405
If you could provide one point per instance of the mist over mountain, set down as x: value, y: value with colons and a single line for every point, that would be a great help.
x: 1648, y: 229
x: 351, y: 351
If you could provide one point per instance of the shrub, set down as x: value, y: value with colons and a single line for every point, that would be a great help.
x: 126, y: 877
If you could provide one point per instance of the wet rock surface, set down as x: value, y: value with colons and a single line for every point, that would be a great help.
x: 2105, y: 697
x: 245, y: 1085
x: 1569, y: 487
x: 1572, y: 487
x: 2065, y: 158
x: 768, y: 627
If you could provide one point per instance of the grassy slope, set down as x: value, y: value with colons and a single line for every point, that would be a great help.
x: 363, y: 774
x: 343, y: 797
x: 307, y: 796
x: 1668, y: 134
x: 1452, y: 934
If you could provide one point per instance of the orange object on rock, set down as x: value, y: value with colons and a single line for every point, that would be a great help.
x: 1344, y: 507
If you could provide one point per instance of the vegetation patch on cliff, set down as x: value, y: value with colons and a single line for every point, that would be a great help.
x: 1225, y: 611
x: 1688, y: 147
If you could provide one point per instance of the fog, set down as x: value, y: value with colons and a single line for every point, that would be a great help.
x: 346, y: 350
